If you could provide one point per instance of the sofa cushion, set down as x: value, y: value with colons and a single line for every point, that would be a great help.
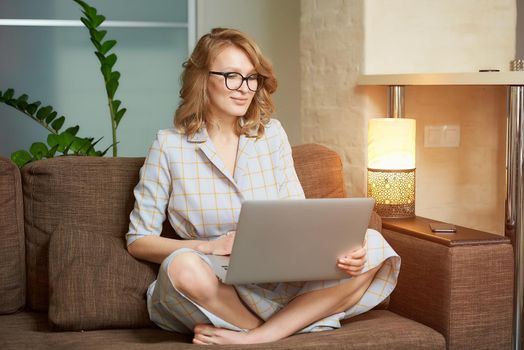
x: 94, y: 192
x: 94, y: 282
x: 373, y: 330
x: 12, y: 248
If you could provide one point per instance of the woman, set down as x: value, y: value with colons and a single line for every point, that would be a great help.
x: 226, y: 149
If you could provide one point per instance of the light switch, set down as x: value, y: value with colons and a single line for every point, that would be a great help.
x: 442, y: 136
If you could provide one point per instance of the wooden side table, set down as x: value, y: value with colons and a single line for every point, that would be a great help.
x: 419, y: 227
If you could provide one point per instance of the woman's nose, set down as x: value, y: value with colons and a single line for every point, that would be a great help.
x: 243, y: 87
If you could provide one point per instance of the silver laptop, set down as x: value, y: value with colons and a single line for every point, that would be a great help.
x: 293, y: 240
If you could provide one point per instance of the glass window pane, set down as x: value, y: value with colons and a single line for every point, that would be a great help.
x: 115, y: 10
x: 57, y: 66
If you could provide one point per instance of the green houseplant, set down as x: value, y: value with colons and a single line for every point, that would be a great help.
x: 66, y: 141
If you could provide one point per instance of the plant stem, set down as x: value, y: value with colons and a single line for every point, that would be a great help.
x: 113, y: 124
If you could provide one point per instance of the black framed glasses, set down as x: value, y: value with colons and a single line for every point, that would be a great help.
x: 234, y: 80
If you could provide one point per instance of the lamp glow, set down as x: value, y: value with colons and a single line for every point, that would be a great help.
x: 391, y: 166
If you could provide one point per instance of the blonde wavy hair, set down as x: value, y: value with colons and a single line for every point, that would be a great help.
x: 194, y: 103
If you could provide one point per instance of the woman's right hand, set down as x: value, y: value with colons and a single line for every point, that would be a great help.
x: 219, y: 246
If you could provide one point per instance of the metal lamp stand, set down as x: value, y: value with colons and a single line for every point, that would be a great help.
x: 515, y: 202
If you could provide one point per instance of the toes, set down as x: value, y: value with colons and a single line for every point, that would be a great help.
x: 205, y: 333
x: 202, y: 338
x: 199, y: 342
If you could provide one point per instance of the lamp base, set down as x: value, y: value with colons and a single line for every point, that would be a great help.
x: 395, y: 211
x: 393, y: 191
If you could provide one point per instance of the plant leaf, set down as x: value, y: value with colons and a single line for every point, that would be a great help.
x: 50, y: 117
x: 21, y: 158
x: 110, y: 60
x: 31, y: 108
x: 88, y: 16
x: 22, y: 98
x: 8, y: 94
x: 11, y: 102
x: 43, y: 112
x: 106, y: 46
x: 38, y: 150
x: 73, y: 130
x: 111, y: 87
x: 21, y: 105
x: 77, y: 145
x: 116, y: 105
x: 90, y: 10
x: 119, y: 115
x: 115, y: 75
x: 52, y: 151
x: 86, y: 22
x: 57, y: 124
x: 92, y: 146
x: 63, y: 140
x: 53, y: 140
x: 66, y: 149
x: 101, y: 58
x: 98, y: 35
x: 106, y: 71
x: 105, y: 151
x: 98, y: 19
x: 97, y: 45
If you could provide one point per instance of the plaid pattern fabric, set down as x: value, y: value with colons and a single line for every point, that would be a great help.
x: 186, y: 176
x: 203, y: 200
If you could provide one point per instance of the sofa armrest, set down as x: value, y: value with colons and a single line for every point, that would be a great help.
x: 459, y: 284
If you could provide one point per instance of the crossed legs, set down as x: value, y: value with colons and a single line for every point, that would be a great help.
x: 195, y: 279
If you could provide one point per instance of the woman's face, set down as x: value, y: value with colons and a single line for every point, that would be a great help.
x: 225, y: 103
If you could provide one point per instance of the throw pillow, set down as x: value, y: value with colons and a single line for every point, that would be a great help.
x: 94, y: 283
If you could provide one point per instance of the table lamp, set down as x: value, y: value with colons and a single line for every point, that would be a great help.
x: 391, y: 166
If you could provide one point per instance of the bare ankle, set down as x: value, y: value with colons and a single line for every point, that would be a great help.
x: 260, y: 335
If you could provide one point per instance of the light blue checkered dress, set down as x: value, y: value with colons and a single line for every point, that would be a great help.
x: 185, y: 175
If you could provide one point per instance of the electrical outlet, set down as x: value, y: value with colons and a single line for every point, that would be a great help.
x: 442, y: 136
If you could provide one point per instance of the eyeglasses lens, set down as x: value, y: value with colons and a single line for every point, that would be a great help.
x: 234, y: 81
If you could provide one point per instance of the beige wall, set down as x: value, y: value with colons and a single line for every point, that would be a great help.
x: 408, y: 36
x: 520, y: 29
x: 464, y: 185
x: 334, y: 110
x: 274, y: 24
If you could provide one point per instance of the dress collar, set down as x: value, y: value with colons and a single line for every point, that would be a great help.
x: 201, y: 135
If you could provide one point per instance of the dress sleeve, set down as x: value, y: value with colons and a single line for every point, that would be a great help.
x: 151, y: 194
x: 289, y: 186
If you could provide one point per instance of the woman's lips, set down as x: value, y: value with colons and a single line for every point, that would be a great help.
x: 239, y: 101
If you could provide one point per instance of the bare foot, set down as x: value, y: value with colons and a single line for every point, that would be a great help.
x: 206, y: 335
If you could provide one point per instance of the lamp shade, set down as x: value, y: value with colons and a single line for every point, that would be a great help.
x: 391, y: 143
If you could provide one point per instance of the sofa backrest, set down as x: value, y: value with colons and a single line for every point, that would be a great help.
x: 96, y: 195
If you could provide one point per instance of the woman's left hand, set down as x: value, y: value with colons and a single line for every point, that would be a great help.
x: 354, y: 261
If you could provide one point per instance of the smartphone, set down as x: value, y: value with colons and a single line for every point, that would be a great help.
x: 442, y: 227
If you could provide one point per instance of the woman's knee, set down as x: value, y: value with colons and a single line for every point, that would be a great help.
x: 192, y: 276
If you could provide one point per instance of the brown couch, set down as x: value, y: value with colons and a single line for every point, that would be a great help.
x: 67, y: 281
